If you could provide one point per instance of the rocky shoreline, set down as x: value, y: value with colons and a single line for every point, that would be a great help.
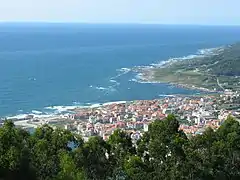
x: 168, y: 72
x: 147, y: 75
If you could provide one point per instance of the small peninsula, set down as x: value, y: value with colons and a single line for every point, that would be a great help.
x: 214, y: 69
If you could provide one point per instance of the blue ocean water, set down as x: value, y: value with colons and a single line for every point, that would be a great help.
x: 44, y: 65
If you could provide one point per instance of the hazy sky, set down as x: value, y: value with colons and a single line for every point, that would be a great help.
x: 123, y: 11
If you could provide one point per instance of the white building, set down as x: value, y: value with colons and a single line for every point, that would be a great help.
x: 145, y: 127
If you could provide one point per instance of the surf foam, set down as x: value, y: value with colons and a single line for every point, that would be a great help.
x: 201, y: 53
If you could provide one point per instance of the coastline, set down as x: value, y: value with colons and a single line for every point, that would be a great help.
x: 148, y: 74
x: 103, y: 112
x: 57, y: 111
x: 145, y: 74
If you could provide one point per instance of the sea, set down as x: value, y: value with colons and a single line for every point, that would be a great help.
x: 48, y: 68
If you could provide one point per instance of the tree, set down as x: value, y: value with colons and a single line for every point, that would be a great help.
x: 93, y: 158
x: 121, y: 146
x: 14, y: 153
x: 135, y: 168
x: 68, y: 168
x: 166, y: 148
x: 143, y: 147
x: 46, y: 144
x: 227, y: 147
x: 215, y: 155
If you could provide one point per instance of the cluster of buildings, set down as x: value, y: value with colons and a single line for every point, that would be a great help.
x: 195, y: 114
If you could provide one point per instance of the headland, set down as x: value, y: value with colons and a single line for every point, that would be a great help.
x: 211, y: 70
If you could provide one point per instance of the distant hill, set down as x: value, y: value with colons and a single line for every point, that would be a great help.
x: 228, y: 61
x: 216, y: 69
x: 224, y: 61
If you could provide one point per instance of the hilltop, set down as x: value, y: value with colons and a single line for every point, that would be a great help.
x: 216, y: 69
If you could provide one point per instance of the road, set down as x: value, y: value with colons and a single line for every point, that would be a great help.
x: 220, y: 85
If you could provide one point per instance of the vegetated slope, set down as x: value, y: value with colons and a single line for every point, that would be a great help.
x: 223, y: 62
x: 218, y: 69
x: 228, y: 61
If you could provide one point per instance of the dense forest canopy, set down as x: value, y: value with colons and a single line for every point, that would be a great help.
x: 164, y: 152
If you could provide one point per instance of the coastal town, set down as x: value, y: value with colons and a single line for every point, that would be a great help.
x: 194, y: 113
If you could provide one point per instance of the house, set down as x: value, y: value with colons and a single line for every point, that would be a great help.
x: 145, y: 127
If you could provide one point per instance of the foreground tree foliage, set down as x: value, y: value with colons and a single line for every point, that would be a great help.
x: 163, y: 153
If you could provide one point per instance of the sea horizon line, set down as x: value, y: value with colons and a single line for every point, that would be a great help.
x: 117, y: 23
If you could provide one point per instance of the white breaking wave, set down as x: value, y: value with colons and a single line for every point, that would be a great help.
x: 125, y: 70
x: 199, y: 54
x: 133, y: 80
x: 36, y: 112
x: 54, y: 111
x: 113, y: 81
x: 60, y: 109
x: 171, y: 60
x: 122, y: 71
x: 211, y: 51
x: 116, y: 102
x: 95, y: 105
x: 24, y: 116
x: 101, y: 88
x: 19, y: 116
x: 166, y: 95
x: 147, y: 82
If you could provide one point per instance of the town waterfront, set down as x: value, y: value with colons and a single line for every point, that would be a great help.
x: 194, y: 113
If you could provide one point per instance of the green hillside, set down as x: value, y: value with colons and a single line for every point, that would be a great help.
x: 226, y: 62
x: 218, y: 70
